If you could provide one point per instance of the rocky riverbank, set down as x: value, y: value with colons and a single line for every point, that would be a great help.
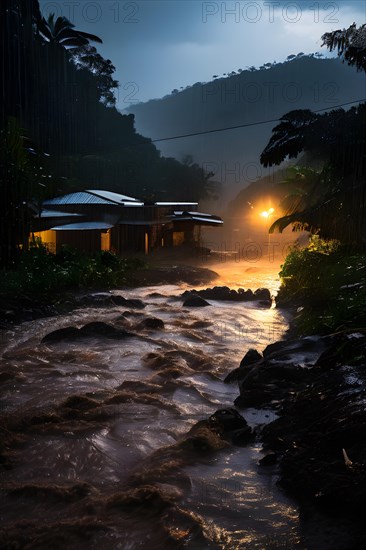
x: 17, y: 309
x: 317, y: 385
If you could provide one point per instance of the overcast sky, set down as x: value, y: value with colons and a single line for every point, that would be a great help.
x: 159, y: 45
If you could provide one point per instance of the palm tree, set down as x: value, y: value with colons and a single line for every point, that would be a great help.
x: 63, y: 33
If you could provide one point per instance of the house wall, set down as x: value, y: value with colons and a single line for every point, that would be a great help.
x: 88, y: 240
x: 128, y: 237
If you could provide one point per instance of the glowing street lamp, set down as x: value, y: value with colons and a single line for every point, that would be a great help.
x: 267, y: 213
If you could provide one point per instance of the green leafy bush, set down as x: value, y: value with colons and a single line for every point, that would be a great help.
x: 326, y: 284
x: 40, y: 273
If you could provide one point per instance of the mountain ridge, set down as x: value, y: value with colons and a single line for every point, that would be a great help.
x: 249, y: 97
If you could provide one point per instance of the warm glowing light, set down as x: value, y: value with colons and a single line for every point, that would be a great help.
x: 267, y: 213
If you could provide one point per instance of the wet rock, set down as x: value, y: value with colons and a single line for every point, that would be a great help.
x: 195, y: 301
x: 269, y: 382
x: 315, y: 425
x: 252, y: 356
x: 255, y: 397
x: 312, y: 346
x: 268, y: 459
x: 242, y: 436
x: 151, y: 323
x: 89, y: 330
x: 103, y: 329
x: 344, y: 349
x: 128, y: 313
x: 263, y: 294
x: 128, y: 302
x: 225, y: 293
x: 97, y: 299
x: 231, y: 425
x: 233, y: 376
x: 249, y: 360
x: 67, y: 333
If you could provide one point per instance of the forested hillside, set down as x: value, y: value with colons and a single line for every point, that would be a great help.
x: 251, y: 96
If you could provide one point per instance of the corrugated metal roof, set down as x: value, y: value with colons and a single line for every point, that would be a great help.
x: 81, y: 197
x: 82, y: 226
x: 115, y: 197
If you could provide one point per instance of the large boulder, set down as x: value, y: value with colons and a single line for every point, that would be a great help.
x: 195, y: 301
x: 262, y: 294
x: 250, y: 358
x: 67, y: 333
x: 103, y: 329
x: 151, y: 323
x: 231, y: 425
x: 133, y: 303
x: 87, y: 331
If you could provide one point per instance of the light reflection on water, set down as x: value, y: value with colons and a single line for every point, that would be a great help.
x: 237, y: 506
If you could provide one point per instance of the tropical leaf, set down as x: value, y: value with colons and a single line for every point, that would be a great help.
x: 63, y: 32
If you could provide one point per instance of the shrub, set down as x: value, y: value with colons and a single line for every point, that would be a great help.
x: 327, y: 284
x: 41, y: 273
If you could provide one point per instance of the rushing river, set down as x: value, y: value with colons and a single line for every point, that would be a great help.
x: 105, y: 461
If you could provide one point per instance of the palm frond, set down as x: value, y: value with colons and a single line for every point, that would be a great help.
x: 90, y: 37
x: 74, y: 42
x: 61, y: 24
x: 44, y: 29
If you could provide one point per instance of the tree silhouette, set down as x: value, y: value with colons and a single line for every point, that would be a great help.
x: 338, y: 137
x: 350, y: 44
x: 63, y: 32
x: 87, y: 57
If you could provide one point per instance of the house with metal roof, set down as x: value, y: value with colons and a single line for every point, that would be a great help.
x: 95, y: 220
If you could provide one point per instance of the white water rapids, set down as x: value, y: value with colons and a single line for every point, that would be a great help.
x: 165, y: 380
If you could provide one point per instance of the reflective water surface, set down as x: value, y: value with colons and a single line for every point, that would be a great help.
x: 104, y: 423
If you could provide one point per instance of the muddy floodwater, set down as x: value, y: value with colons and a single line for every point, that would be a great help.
x: 100, y: 456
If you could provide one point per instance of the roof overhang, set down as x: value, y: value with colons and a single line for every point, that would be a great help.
x: 44, y: 214
x: 83, y: 226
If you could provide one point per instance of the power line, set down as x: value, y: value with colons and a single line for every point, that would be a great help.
x: 249, y: 124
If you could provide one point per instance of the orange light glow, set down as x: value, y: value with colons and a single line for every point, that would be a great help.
x: 267, y: 213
